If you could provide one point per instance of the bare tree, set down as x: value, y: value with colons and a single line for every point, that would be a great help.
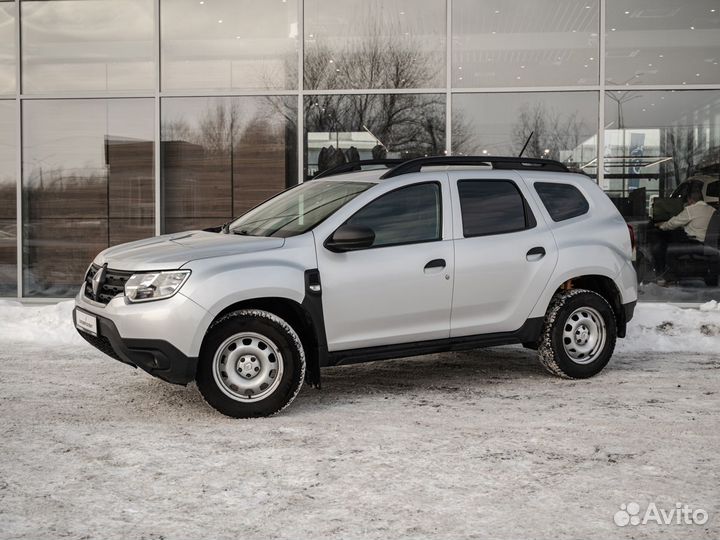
x: 552, y: 131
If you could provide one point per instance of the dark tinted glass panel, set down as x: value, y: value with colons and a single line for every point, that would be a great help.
x: 657, y: 145
x: 662, y: 42
x: 563, y: 126
x: 490, y: 207
x: 8, y: 203
x: 530, y: 43
x: 408, y: 215
x: 223, y: 156
x: 7, y: 48
x: 339, y: 129
x: 562, y: 201
x: 87, y: 184
x: 374, y: 44
x: 221, y: 44
x: 96, y: 45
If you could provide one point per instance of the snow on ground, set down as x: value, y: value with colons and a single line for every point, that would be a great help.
x: 461, y: 445
x: 656, y: 326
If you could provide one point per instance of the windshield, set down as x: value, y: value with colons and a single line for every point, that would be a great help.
x: 297, y: 210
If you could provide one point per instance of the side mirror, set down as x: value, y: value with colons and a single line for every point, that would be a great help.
x: 349, y: 238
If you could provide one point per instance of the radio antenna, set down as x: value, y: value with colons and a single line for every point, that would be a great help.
x: 526, y: 143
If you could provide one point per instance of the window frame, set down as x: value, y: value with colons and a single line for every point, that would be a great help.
x: 396, y: 244
x: 530, y: 219
x: 578, y: 190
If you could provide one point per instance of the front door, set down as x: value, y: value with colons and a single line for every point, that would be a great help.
x: 399, y: 290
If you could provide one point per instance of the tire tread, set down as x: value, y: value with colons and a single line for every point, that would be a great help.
x: 278, y: 321
x: 546, y: 353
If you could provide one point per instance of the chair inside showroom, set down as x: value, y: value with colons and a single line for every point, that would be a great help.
x: 697, y: 260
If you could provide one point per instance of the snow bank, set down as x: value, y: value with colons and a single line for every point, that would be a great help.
x: 656, y: 327
x: 667, y: 328
x: 46, y: 324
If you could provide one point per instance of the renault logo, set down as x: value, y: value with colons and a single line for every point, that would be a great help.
x: 98, y: 280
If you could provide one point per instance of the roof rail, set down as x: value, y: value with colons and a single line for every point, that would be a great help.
x: 497, y: 162
x: 357, y: 166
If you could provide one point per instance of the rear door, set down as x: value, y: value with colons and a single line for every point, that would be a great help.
x: 504, y: 252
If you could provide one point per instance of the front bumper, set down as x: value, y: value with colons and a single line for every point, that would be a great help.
x: 163, y: 337
x: 155, y: 356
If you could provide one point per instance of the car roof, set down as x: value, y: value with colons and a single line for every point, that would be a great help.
x: 384, y: 169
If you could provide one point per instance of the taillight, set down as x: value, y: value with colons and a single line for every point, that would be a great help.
x: 633, y: 241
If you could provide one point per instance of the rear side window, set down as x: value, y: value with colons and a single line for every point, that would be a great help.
x: 491, y: 207
x: 562, y: 201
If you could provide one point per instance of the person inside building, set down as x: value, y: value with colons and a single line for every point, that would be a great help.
x: 688, y: 227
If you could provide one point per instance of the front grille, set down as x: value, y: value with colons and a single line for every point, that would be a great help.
x: 112, y: 285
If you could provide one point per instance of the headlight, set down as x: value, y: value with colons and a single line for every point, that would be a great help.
x: 154, y: 285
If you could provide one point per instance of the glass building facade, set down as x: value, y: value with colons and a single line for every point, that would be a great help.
x: 121, y: 119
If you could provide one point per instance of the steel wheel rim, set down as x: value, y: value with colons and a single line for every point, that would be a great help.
x: 584, y: 335
x: 248, y: 367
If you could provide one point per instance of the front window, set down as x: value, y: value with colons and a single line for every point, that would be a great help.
x: 297, y: 210
x: 408, y: 215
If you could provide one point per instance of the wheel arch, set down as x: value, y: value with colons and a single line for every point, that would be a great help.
x: 302, y: 317
x: 604, y: 286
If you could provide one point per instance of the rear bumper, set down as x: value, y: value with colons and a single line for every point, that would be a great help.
x: 157, y: 357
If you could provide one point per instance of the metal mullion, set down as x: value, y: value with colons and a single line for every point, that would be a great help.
x: 657, y: 87
x: 365, y: 91
x: 526, y: 89
x: 448, y: 78
x: 226, y: 93
x: 86, y: 95
x: 157, y: 119
x: 601, y: 103
x: 18, y: 158
x: 300, y: 124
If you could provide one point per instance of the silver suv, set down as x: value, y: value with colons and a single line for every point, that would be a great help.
x: 435, y: 254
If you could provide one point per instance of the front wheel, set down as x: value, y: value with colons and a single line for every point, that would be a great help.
x: 252, y: 364
x: 579, y: 334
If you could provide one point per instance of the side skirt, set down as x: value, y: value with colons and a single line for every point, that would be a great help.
x: 528, y: 332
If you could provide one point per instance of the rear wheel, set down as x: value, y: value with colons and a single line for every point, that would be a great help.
x: 579, y: 334
x: 252, y: 364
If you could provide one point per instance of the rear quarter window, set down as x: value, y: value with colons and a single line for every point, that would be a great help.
x: 562, y: 201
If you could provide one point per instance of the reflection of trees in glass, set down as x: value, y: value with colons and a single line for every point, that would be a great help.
x: 384, y: 58
x: 225, y: 121
x: 222, y: 156
x: 553, y: 131
x: 406, y: 124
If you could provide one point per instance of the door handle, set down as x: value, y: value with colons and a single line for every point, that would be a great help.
x: 535, y: 254
x: 435, y: 263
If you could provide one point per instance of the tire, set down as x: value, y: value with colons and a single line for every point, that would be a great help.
x: 251, y: 364
x: 579, y: 334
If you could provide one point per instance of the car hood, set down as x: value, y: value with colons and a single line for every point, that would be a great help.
x: 171, y: 251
